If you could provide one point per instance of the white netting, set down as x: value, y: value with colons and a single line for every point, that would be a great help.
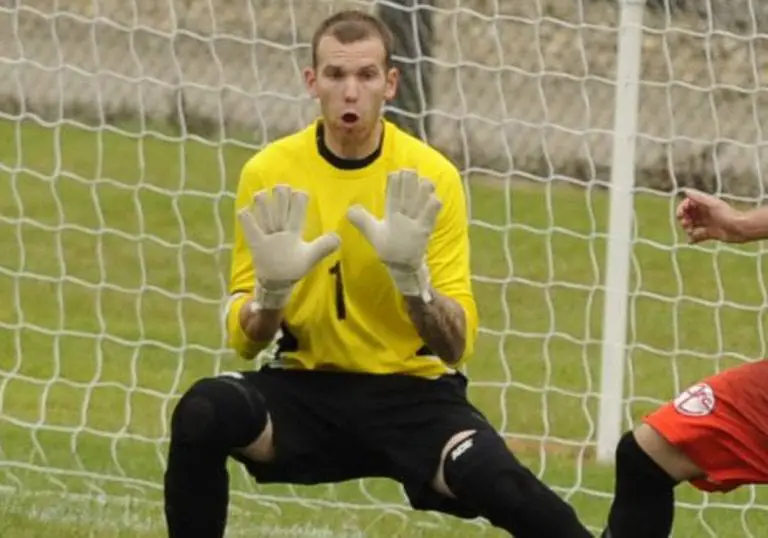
x: 123, y: 125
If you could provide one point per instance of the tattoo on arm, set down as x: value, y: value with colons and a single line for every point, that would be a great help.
x: 441, y: 324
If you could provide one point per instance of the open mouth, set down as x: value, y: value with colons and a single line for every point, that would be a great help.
x: 349, y: 118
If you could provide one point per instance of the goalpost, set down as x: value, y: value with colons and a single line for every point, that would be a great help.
x: 123, y: 126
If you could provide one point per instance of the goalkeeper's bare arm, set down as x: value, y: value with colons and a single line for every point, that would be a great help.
x: 352, y: 237
x: 715, y: 433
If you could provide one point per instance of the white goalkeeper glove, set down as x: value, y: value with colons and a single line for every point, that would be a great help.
x: 401, y: 238
x: 273, y: 226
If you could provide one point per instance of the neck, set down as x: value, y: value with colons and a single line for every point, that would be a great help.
x: 353, y: 148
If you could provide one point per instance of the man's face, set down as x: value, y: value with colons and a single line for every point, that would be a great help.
x: 352, y: 82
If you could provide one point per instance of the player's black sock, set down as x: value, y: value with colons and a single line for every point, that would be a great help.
x: 196, y: 483
x: 643, y: 503
x: 483, y: 474
x: 213, y: 417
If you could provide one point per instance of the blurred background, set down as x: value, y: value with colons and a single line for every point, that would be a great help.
x: 523, y: 86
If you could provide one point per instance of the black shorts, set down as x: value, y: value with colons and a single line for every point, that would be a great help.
x: 332, y: 427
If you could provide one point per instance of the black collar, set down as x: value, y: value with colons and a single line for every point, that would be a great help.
x: 339, y: 162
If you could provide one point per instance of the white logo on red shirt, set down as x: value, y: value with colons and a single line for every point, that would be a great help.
x: 696, y: 401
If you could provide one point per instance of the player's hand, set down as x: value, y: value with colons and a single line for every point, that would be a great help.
x: 703, y: 216
x: 272, y: 226
x: 402, y: 236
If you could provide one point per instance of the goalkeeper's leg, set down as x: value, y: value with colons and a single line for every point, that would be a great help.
x: 310, y: 412
x: 214, y: 417
x: 481, y: 473
x: 450, y: 459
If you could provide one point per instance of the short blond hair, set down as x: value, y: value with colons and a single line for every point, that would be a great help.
x: 350, y: 26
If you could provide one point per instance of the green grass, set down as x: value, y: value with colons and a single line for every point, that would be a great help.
x: 114, y: 264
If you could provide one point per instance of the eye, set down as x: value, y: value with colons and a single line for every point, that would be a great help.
x: 334, y: 73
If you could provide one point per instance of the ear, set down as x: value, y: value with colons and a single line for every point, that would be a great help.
x: 310, y: 81
x: 390, y: 89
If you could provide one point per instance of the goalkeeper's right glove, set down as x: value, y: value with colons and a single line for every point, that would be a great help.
x: 272, y: 226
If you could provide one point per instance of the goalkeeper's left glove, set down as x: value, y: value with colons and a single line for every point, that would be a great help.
x: 401, y: 238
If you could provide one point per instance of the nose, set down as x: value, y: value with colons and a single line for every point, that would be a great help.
x: 351, y: 90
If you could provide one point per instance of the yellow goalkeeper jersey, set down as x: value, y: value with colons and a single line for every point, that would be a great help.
x: 347, y: 314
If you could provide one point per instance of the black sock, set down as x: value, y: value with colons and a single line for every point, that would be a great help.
x: 542, y: 513
x: 644, y: 498
x: 212, y: 418
x: 488, y: 478
x: 196, y: 478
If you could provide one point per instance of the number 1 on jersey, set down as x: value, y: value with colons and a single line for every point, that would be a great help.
x: 341, y: 308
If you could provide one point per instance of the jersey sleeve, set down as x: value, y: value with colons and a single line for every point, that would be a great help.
x: 448, y: 253
x: 242, y: 275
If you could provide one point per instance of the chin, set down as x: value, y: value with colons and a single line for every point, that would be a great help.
x: 356, y: 129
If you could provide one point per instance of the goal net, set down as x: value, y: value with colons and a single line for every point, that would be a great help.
x: 123, y: 126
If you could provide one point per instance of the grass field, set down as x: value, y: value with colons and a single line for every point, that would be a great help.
x: 114, y: 264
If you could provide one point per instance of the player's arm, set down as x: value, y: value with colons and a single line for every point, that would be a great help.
x: 752, y: 225
x: 704, y: 216
x: 269, y: 257
x: 423, y: 242
x: 249, y: 330
x: 448, y: 323
x: 442, y: 325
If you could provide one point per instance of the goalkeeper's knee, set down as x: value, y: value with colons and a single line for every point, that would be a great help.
x: 483, y: 474
x: 213, y: 417
x: 219, y: 414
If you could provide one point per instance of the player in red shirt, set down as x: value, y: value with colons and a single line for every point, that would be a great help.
x: 714, y: 434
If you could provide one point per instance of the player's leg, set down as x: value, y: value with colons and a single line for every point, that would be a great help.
x: 478, y: 469
x: 214, y: 418
x: 281, y: 425
x: 648, y: 468
x: 712, y: 435
x: 450, y: 459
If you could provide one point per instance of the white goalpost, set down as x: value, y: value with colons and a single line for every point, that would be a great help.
x: 123, y: 127
x: 617, y: 260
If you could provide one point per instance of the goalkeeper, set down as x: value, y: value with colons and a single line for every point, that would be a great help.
x: 714, y: 434
x: 363, y: 268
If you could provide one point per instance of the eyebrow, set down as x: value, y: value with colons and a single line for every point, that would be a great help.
x: 368, y: 67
